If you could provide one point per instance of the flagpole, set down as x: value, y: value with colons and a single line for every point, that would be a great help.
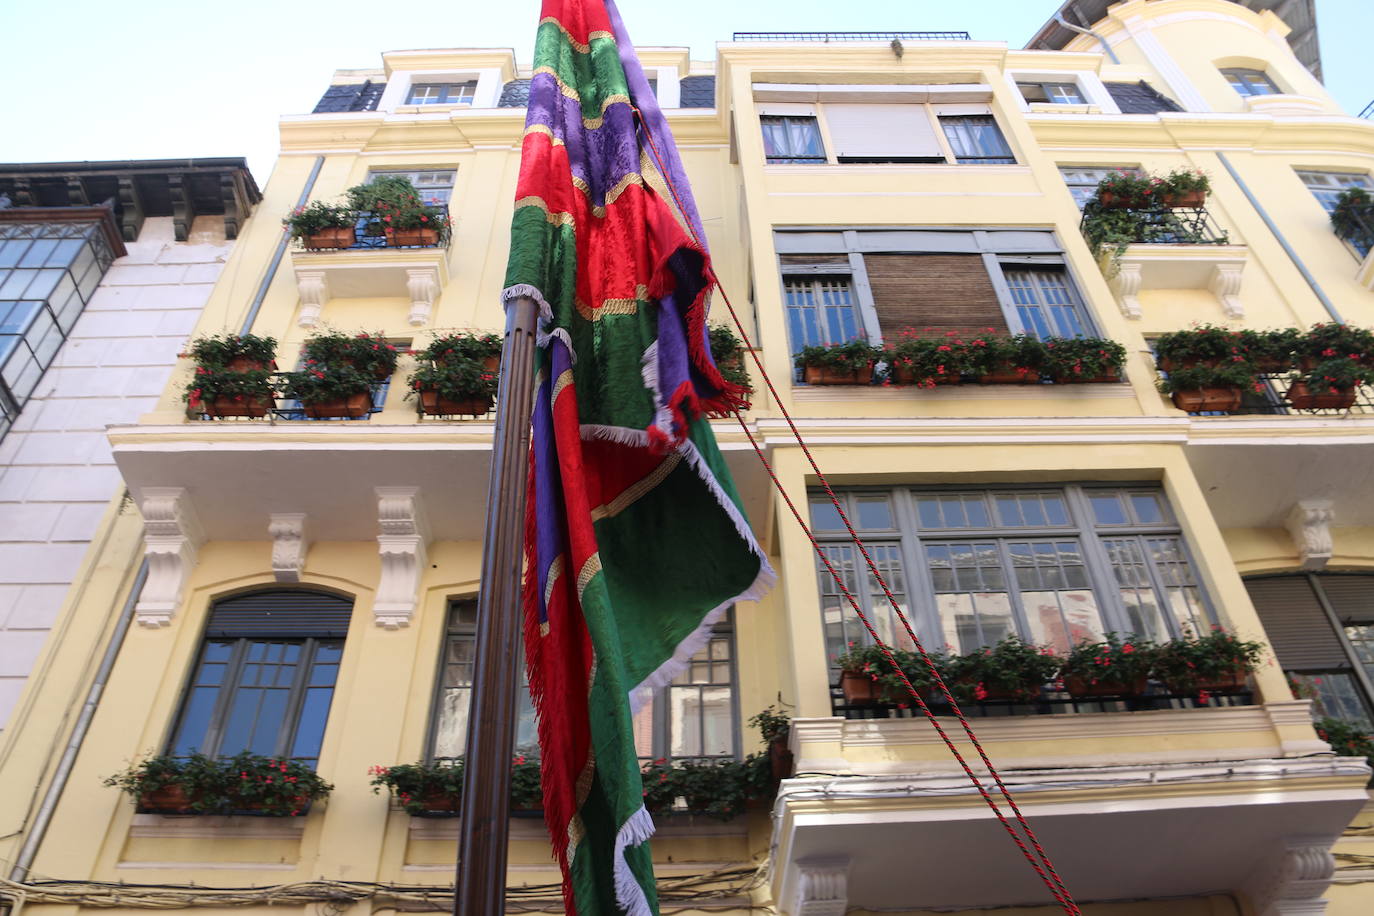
x: 481, y: 868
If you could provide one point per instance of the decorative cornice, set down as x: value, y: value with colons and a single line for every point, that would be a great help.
x: 403, y: 541
x: 172, y: 537
x: 822, y: 887
x: 289, y: 545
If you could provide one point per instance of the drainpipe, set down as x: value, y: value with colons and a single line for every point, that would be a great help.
x: 1111, y: 55
x: 1288, y: 249
x: 279, y: 253
x: 43, y: 818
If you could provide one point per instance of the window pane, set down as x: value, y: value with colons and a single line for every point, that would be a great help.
x: 975, y: 138
x: 1180, y: 589
x: 971, y: 596
x: 195, y: 720
x: 824, y: 516
x: 1334, y: 694
x: 875, y: 512
x: 1060, y: 609
x: 1107, y: 508
x: 791, y: 140
x: 1143, y: 613
x: 820, y: 311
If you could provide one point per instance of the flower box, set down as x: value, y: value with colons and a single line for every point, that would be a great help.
x: 241, y: 406
x: 1109, y: 200
x: 337, y: 237
x: 1304, y: 398
x: 352, y: 407
x: 826, y: 375
x: 440, y: 804
x: 1069, y: 378
x: 1077, y: 687
x: 1009, y: 375
x: 171, y: 799
x: 432, y: 403
x: 422, y: 237
x: 859, y: 689
x: 1194, y: 198
x: 1219, y: 400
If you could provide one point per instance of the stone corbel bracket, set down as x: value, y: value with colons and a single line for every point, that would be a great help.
x: 1128, y: 279
x: 171, y: 539
x: 822, y: 888
x: 423, y: 286
x: 1309, y: 524
x: 1291, y: 881
x: 289, y: 545
x: 1225, y: 285
x: 313, y: 287
x: 403, y: 541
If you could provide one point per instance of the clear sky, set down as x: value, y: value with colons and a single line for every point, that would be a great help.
x: 157, y: 79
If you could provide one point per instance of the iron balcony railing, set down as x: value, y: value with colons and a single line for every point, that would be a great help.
x: 370, y: 231
x: 1049, y: 701
x: 1270, y: 398
x: 851, y: 36
x: 1162, y: 225
x: 1355, y: 224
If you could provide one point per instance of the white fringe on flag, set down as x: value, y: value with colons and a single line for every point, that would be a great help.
x: 628, y: 893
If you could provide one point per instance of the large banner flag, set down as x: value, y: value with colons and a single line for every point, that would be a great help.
x: 636, y: 543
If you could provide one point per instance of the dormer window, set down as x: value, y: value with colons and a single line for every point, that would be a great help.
x: 1053, y: 93
x: 1249, y: 82
x: 442, y: 93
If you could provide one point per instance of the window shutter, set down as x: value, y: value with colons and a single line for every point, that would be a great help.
x: 882, y: 131
x: 944, y: 292
x: 290, y: 614
x: 1351, y: 597
x: 1297, y: 627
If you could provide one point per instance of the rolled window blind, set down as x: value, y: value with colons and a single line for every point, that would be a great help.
x: 282, y: 613
x: 882, y: 131
x: 943, y: 292
x: 1295, y: 623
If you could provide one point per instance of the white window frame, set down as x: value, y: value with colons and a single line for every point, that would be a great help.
x: 411, y: 173
x: 397, y: 90
x: 1100, y: 171
x: 1332, y: 182
x: 1090, y: 86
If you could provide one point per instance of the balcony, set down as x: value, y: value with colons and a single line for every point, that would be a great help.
x: 1166, y: 248
x: 374, y: 263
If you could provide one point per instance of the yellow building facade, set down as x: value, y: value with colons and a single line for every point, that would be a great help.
x: 847, y: 187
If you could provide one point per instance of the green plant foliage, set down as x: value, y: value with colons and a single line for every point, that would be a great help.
x: 244, y: 782
x: 1333, y: 340
x: 216, y: 351
x: 772, y: 724
x: 317, y: 216
x: 1182, y: 181
x: 1272, y: 349
x: 461, y: 345
x: 207, y: 385
x: 1188, y: 660
x: 1012, y: 665
x: 854, y: 356
x: 368, y: 353
x: 1227, y: 375
x: 320, y: 383
x: 392, y: 191
x: 727, y: 351
x: 1335, y: 375
x: 1202, y: 343
x: 870, y: 661
x: 1347, y: 739
x: 1073, y: 358
x: 454, y: 381
x: 1353, y: 217
x: 1114, y: 659
x: 418, y: 786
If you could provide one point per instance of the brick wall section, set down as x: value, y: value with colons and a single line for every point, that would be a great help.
x: 56, y: 473
x: 943, y: 292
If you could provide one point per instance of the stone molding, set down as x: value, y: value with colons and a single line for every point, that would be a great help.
x: 423, y: 286
x: 822, y: 887
x: 289, y: 545
x: 1225, y: 285
x: 313, y: 287
x: 172, y: 536
x: 1309, y: 524
x: 402, y: 542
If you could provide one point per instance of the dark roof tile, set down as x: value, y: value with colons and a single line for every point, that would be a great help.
x: 350, y: 97
x: 698, y: 91
x: 515, y: 94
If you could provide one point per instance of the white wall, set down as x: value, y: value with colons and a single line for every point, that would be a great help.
x: 56, y: 474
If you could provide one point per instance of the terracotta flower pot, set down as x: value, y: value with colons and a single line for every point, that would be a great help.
x: 826, y: 375
x: 435, y: 405
x: 167, y: 800
x: 1111, y: 375
x: 1222, y: 400
x: 492, y: 362
x: 337, y: 237
x: 1009, y: 375
x: 353, y: 407
x: 780, y: 759
x: 859, y: 689
x: 1303, y: 398
x: 1083, y: 687
x: 231, y: 407
x: 410, y: 238
x: 1110, y: 200
x: 438, y: 804
x: 1185, y: 199
x: 246, y: 364
x: 1228, y: 682
x: 902, y: 375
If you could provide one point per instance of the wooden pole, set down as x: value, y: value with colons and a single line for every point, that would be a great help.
x: 481, y: 872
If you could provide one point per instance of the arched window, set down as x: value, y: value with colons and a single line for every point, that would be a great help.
x: 265, y: 677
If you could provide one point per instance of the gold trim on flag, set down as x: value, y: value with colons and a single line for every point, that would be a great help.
x: 577, y: 45
x: 637, y: 490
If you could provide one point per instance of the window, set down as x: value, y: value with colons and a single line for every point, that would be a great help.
x: 264, y: 680
x: 1082, y: 182
x: 48, y: 272
x: 975, y: 138
x: 442, y: 93
x: 877, y: 283
x: 694, y: 716
x: 1045, y: 302
x: 1322, y: 629
x: 1054, y: 564
x: 435, y: 185
x: 1327, y: 186
x: 820, y: 311
x: 1249, y: 82
x: 1054, y: 93
x: 789, y: 139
